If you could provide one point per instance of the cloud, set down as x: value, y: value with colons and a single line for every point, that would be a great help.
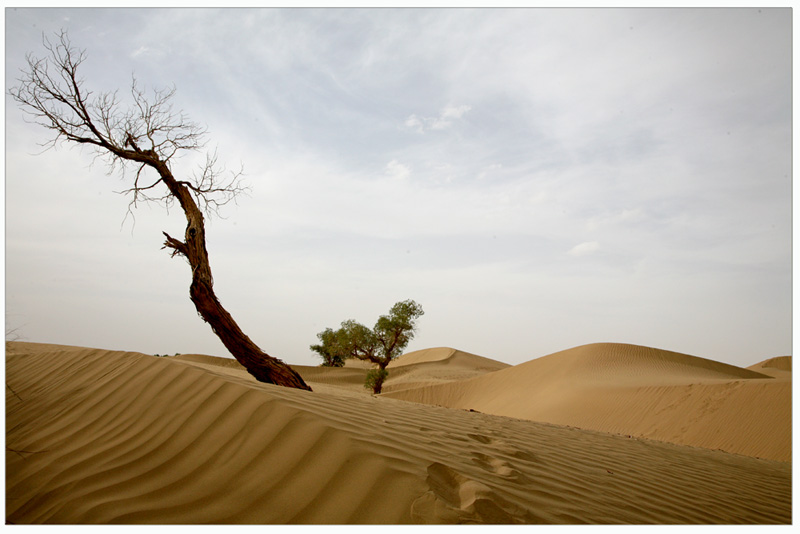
x: 145, y: 52
x: 415, y: 123
x: 450, y: 112
x: 584, y: 249
x: 666, y: 152
x: 443, y: 121
x: 397, y: 171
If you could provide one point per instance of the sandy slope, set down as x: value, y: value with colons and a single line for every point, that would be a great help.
x: 97, y: 436
x: 413, y: 369
x: 437, y: 366
x: 638, y: 391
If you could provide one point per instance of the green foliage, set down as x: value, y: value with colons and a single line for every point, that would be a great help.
x: 375, y: 378
x: 379, y: 345
x: 329, y: 350
x: 398, y: 328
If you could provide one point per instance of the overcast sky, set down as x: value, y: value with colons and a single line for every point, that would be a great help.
x: 537, y: 179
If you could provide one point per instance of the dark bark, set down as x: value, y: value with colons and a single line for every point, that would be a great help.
x: 51, y: 92
x: 263, y: 367
x: 379, y: 377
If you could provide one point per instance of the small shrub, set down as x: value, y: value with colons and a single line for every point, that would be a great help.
x: 375, y: 378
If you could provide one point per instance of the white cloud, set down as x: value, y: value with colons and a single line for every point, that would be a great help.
x: 415, y: 123
x: 397, y: 171
x: 441, y: 122
x: 587, y: 132
x: 454, y: 112
x: 448, y: 114
x: 142, y: 50
x: 584, y: 249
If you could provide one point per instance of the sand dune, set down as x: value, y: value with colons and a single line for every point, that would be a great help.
x: 774, y: 366
x: 437, y: 366
x: 638, y: 391
x: 413, y: 369
x: 97, y: 436
x: 448, y: 356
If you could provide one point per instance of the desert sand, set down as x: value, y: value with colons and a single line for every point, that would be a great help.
x: 599, y: 434
x: 638, y: 391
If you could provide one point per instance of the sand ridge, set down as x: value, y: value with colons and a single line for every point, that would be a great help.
x: 413, y: 369
x: 98, y: 436
x: 633, y: 390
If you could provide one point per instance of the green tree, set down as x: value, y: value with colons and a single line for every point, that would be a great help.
x: 375, y: 378
x: 329, y: 349
x: 379, y: 345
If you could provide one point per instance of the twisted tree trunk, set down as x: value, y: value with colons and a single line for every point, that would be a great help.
x: 263, y: 367
x: 51, y: 92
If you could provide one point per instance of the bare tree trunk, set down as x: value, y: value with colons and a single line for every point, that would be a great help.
x: 263, y: 367
x: 52, y: 93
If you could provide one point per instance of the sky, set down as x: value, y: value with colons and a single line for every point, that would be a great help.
x: 536, y: 179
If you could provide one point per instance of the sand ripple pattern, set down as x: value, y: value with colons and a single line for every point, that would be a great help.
x: 638, y: 391
x: 111, y: 437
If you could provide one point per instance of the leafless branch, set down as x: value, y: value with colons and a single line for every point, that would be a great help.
x: 178, y: 247
x: 212, y: 189
x: 139, y: 137
x: 146, y: 136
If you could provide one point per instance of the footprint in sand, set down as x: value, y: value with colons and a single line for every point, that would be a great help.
x: 459, y: 499
x: 499, y: 467
x: 503, y: 450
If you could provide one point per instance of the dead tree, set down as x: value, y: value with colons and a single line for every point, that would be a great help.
x: 144, y: 138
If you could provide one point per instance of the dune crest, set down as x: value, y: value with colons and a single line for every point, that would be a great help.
x: 413, y: 369
x: 782, y: 363
x: 449, y: 356
x: 103, y: 437
x: 620, y: 361
x: 634, y: 390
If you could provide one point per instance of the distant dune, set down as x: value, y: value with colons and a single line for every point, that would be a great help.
x: 100, y: 437
x: 781, y: 363
x: 413, y: 369
x: 638, y: 391
x: 437, y: 366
